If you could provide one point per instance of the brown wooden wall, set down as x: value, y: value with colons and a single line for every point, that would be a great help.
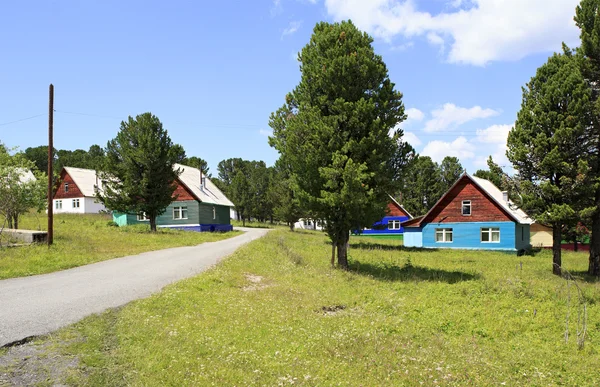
x: 182, y: 193
x: 395, y: 210
x: 483, y: 208
x: 74, y: 191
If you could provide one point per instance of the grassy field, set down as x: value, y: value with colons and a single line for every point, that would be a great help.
x: 83, y: 239
x: 275, y: 314
x: 256, y: 224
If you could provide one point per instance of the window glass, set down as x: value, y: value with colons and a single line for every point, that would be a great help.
x: 443, y: 235
x: 466, y: 207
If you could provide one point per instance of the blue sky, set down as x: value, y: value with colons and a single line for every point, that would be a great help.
x: 214, y: 71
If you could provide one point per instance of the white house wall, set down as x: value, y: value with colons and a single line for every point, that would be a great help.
x: 93, y: 206
x: 86, y: 206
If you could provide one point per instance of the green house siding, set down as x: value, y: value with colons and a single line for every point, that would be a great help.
x: 220, y: 215
x: 197, y: 213
x: 166, y: 219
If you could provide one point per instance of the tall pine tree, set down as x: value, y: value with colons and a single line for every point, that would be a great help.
x: 333, y: 131
x: 547, y: 146
x: 139, y: 170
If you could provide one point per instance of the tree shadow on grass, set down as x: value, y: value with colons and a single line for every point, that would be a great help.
x: 408, y: 272
x: 385, y: 247
x: 583, y: 276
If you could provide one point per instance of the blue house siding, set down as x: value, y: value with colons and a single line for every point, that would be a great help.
x: 381, y: 227
x: 468, y: 236
x: 413, y: 237
x: 522, y: 236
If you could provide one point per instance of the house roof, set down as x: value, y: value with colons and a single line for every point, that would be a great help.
x: 25, y: 176
x: 518, y: 214
x: 86, y: 180
x: 190, y: 177
x: 491, y: 191
x: 400, y: 205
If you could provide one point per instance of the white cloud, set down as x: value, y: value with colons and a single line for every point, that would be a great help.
x: 413, y: 114
x: 460, y: 148
x: 451, y: 116
x: 490, y: 30
x: 292, y: 28
x: 495, y: 139
x: 411, y: 138
x: 266, y: 132
x: 403, y: 47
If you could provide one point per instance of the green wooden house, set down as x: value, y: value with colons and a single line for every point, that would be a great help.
x: 199, y: 205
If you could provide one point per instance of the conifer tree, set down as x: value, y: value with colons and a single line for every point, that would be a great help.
x: 547, y: 146
x: 139, y: 172
x: 333, y: 131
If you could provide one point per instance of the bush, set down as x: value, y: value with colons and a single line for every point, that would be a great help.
x: 112, y: 224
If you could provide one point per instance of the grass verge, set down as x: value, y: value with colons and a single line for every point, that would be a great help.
x: 276, y: 314
x: 84, y: 239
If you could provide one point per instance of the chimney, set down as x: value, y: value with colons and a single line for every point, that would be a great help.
x: 505, y: 196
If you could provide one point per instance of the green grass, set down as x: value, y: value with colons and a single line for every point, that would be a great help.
x: 83, y: 239
x: 400, y: 317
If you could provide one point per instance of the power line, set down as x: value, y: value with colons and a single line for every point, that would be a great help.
x: 22, y: 119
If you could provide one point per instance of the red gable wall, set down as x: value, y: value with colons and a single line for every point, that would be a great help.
x: 74, y: 191
x: 395, y: 210
x: 182, y: 193
x: 483, y: 209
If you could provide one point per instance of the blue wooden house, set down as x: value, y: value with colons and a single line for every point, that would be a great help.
x: 473, y: 214
x: 391, y: 224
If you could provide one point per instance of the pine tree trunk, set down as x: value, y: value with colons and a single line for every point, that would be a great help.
x: 594, y: 266
x: 332, y: 254
x: 10, y: 221
x: 153, y: 224
x: 16, y: 221
x: 556, y: 249
x: 342, y: 250
x: 575, y: 246
x: 243, y: 221
x: 291, y: 224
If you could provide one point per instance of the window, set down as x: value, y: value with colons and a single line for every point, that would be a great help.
x: 180, y: 212
x: 141, y: 217
x: 443, y: 235
x: 393, y: 225
x: 75, y: 203
x: 307, y: 222
x: 490, y: 235
x: 66, y: 187
x: 58, y: 204
x: 214, y: 213
x: 466, y: 208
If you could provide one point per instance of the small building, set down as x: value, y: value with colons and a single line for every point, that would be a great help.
x: 541, y: 235
x: 309, y: 224
x: 198, y: 205
x: 473, y: 214
x: 76, y: 192
x: 391, y: 224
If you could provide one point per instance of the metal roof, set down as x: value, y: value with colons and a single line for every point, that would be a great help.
x: 86, y: 180
x: 190, y: 177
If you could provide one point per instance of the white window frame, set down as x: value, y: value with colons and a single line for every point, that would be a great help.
x: 178, y: 212
x: 489, y: 231
x: 142, y: 217
x: 393, y: 224
x: 446, y: 233
x: 462, y: 208
x: 76, y: 203
x: 58, y: 205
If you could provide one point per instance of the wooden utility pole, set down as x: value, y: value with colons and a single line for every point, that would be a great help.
x: 50, y: 159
